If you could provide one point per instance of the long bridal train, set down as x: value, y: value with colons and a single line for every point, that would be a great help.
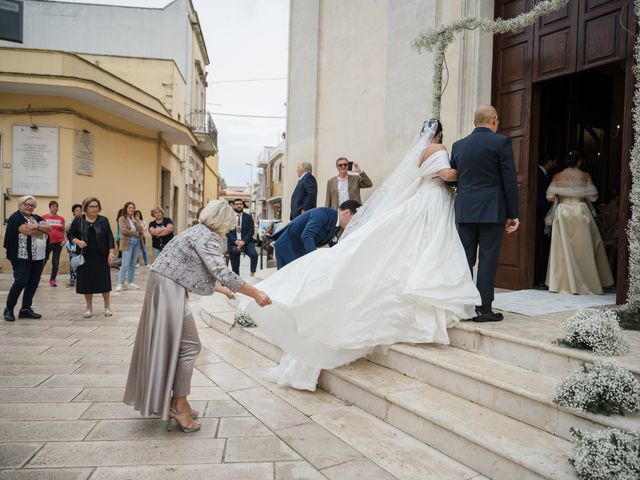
x: 400, y: 277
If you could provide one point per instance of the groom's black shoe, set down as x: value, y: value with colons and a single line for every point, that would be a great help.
x: 489, y: 317
x: 28, y: 313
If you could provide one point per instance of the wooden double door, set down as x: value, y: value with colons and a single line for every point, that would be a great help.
x: 585, y: 35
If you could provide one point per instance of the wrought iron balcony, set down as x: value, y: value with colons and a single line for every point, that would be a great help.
x: 205, y: 131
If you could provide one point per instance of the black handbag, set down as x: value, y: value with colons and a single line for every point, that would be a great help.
x: 78, y: 260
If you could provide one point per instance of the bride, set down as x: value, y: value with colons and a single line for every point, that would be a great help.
x: 398, y: 274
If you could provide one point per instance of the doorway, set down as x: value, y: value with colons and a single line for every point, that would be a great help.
x: 584, y: 111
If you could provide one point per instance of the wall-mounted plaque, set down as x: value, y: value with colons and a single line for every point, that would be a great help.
x: 84, y: 153
x: 35, y: 161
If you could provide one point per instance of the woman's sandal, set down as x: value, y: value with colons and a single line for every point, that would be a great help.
x: 194, y: 413
x: 173, y: 415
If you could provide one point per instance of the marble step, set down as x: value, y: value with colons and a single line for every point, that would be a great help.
x: 486, y: 441
x: 513, y: 391
x: 527, y: 342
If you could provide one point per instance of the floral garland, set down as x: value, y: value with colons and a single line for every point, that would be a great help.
x: 606, y: 454
x: 439, y: 39
x: 633, y: 227
x: 244, y: 320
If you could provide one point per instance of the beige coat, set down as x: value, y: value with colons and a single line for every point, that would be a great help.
x: 126, y: 232
x: 356, y: 182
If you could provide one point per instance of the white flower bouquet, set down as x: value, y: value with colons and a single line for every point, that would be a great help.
x: 596, y: 330
x: 603, y: 387
x: 606, y: 454
x: 243, y: 320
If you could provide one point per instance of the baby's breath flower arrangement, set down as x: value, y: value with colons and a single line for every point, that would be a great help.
x: 606, y: 454
x: 244, y: 320
x: 596, y: 330
x: 603, y: 387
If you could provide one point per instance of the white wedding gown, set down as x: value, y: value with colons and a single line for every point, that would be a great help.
x: 401, y: 278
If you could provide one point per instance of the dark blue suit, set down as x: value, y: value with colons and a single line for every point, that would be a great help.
x: 304, y: 196
x: 246, y: 235
x: 304, y: 234
x: 487, y: 196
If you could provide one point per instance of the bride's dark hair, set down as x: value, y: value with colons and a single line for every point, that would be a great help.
x: 430, y: 124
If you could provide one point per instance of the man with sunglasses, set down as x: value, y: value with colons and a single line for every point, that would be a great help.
x: 26, y: 243
x: 345, y: 187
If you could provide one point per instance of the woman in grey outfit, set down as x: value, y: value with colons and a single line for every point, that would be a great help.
x: 167, y: 343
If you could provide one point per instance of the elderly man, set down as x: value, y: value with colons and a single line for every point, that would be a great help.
x: 345, y: 187
x: 306, y: 192
x: 25, y: 240
x: 311, y: 230
x: 487, y: 201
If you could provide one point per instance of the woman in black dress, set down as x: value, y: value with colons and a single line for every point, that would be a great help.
x: 92, y: 234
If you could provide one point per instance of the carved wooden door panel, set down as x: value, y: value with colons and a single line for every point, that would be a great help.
x: 601, y: 37
x: 512, y: 86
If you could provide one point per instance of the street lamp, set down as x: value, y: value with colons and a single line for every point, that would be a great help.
x: 250, y: 189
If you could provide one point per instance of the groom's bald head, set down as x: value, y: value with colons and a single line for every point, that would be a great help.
x: 486, y: 116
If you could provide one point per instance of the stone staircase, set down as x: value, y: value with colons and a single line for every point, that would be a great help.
x: 484, y: 401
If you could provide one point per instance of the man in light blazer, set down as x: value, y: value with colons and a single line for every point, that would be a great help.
x: 487, y: 201
x: 305, y: 194
x: 345, y: 187
x: 313, y: 229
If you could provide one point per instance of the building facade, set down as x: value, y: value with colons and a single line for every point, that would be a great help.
x: 128, y: 46
x: 357, y: 88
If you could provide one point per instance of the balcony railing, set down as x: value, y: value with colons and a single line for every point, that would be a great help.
x: 202, y: 124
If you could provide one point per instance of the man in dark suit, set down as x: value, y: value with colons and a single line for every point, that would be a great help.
x: 543, y: 242
x: 312, y: 229
x: 487, y: 201
x: 240, y: 240
x: 305, y: 194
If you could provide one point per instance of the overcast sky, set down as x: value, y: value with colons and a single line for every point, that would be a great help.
x: 246, y: 40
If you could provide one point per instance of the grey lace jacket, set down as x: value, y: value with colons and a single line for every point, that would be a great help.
x: 194, y: 259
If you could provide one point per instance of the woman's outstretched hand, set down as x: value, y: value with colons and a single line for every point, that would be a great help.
x: 262, y: 298
x: 225, y: 291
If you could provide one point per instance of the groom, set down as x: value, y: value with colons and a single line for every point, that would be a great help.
x: 313, y: 229
x: 487, y: 201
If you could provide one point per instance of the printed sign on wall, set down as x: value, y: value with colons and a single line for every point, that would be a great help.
x: 35, y: 161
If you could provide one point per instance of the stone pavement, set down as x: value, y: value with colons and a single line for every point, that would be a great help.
x: 62, y: 380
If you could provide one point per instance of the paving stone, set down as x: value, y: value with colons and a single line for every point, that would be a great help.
x: 75, y: 350
x: 42, y: 411
x: 22, y: 349
x: 201, y: 380
x: 299, y: 471
x: 22, y: 380
x: 14, y: 369
x: 98, y: 369
x: 358, y: 469
x: 242, y: 427
x: 246, y: 471
x: 22, y: 359
x: 35, y: 341
x: 258, y: 449
x: 100, y: 394
x: 207, y: 357
x: 86, y: 381
x: 319, y: 447
x: 104, y: 359
x: 47, y: 474
x: 102, y: 342
x: 227, y: 377
x: 145, y: 428
x: 38, y: 394
x: 225, y: 408
x: 208, y: 393
x: 14, y: 455
x: 270, y: 409
x: 119, y: 453
x: 44, y: 430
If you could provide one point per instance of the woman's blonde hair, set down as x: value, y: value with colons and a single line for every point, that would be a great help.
x: 218, y: 216
x: 23, y: 199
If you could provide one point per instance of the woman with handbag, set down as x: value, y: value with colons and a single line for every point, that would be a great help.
x: 91, y: 233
